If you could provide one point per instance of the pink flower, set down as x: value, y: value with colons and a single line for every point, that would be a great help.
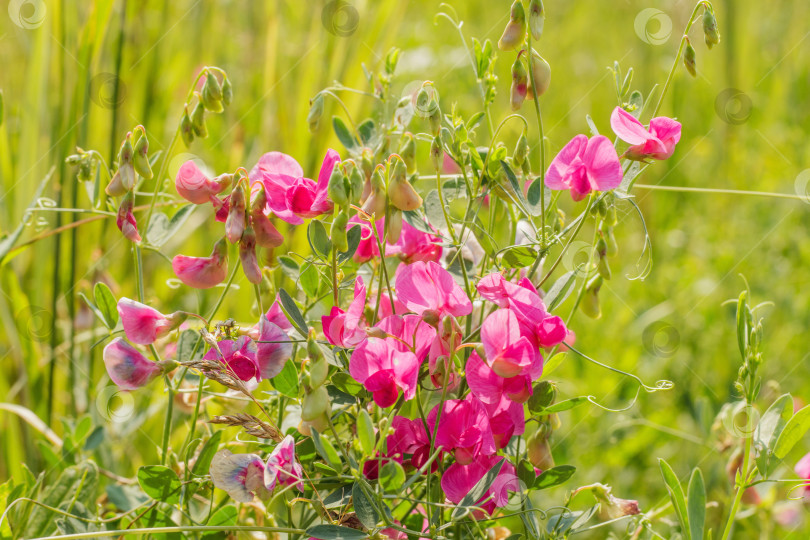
x: 413, y: 245
x: 802, y: 469
x: 127, y: 367
x: 282, y: 468
x: 239, y: 356
x: 411, y: 333
x: 203, y: 272
x: 347, y: 329
x: 507, y: 352
x: 409, y: 443
x: 491, y: 388
x: 506, y: 419
x: 384, y: 370
x: 273, y: 349
x: 240, y: 475
x: 657, y: 142
x: 195, y: 187
x: 289, y: 195
x: 427, y: 286
x: 143, y: 324
x: 459, y: 479
x: 277, y: 317
x: 126, y: 220
x: 585, y: 165
x: 463, y: 429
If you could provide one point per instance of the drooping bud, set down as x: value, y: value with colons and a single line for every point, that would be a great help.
x: 315, y: 112
x: 521, y: 149
x: 610, y: 507
x: 247, y: 254
x: 408, y: 152
x: 235, y: 224
x: 540, y: 76
x: 126, y: 169
x: 115, y: 188
x: 435, y: 120
x: 356, y: 181
x: 198, y: 119
x: 338, y: 232
x: 127, y: 367
x: 186, y: 129
x: 212, y: 93
x: 227, y: 91
x: 436, y: 153
x: 267, y: 236
x: 394, y: 226
x: 515, y: 32
x: 140, y: 160
x: 203, y: 272
x: 590, y: 301
x: 537, y: 18
x: 376, y: 202
x: 126, y: 220
x: 689, y: 59
x: 337, y: 187
x: 400, y: 192
x: 710, y: 32
x: 520, y: 81
x: 539, y: 450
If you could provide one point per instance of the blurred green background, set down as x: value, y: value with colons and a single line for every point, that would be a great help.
x: 83, y: 73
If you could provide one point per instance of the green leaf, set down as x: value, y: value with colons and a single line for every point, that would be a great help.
x: 335, y: 532
x: 366, y: 130
x: 289, y: 267
x: 553, y: 363
x: 161, y: 228
x: 309, y: 280
x: 477, y: 491
x: 525, y: 472
x: 365, y: 432
x: 364, y: 508
x: 343, y: 134
x: 513, y: 181
x: 392, y: 476
x: 319, y: 239
x: 340, y: 497
x: 206, y: 455
x: 560, y: 290
x: 107, y: 305
x: 533, y: 199
x: 794, y: 430
x: 225, y: 516
x: 353, y: 237
x: 676, y: 495
x: 286, y: 381
x: 518, y: 256
x: 292, y: 312
x: 326, y: 450
x: 769, y: 429
x: 345, y: 383
x: 76, y: 483
x: 433, y: 210
x: 161, y: 483
x: 696, y: 504
x: 554, y: 476
x: 566, y: 405
x: 187, y: 344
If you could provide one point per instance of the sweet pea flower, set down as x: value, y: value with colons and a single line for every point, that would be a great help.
x: 143, y: 324
x: 657, y: 142
x: 384, y: 370
x: 195, y: 187
x: 273, y: 349
x: 585, y: 165
x: 490, y: 388
x: 802, y: 469
x: 240, y: 475
x: 427, y: 287
x: 410, y: 333
x: 282, y: 468
x: 413, y: 245
x: 409, y: 444
x: 463, y: 429
x: 239, y: 356
x: 507, y: 352
x: 346, y: 329
x: 125, y: 220
x: 203, y: 272
x: 289, y: 195
x: 459, y: 479
x: 127, y: 367
x: 506, y: 419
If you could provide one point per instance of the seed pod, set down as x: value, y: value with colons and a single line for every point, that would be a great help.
x: 710, y: 32
x: 338, y: 232
x: 436, y: 153
x: 318, y: 372
x: 407, y: 150
x: 612, y: 246
x: 315, y: 112
x: 315, y: 404
x: 435, y: 120
x: 337, y: 187
x: 401, y: 193
x: 540, y: 76
x: 603, y: 267
x: 520, y: 82
x: 515, y: 32
x: 186, y: 129
x: 140, y: 160
x: 198, y: 120
x: 689, y: 59
x: 537, y: 18
x: 394, y: 226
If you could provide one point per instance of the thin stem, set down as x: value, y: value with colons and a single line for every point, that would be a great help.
x: 741, y: 487
x: 192, y: 528
x: 536, y: 101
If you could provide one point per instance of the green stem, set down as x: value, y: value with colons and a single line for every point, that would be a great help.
x: 155, y: 530
x: 167, y: 424
x: 740, y: 489
x: 536, y: 101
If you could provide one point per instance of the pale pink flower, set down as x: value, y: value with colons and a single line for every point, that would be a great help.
x: 657, y: 142
x: 585, y: 165
x: 126, y: 220
x: 507, y: 352
x: 459, y: 479
x: 347, y: 328
x: 143, y: 324
x: 240, y: 475
x: 282, y: 468
x: 203, y: 272
x: 423, y: 287
x: 239, y: 356
x: 463, y: 429
x: 802, y: 469
x: 276, y: 316
x: 195, y: 187
x: 273, y: 349
x: 127, y: 367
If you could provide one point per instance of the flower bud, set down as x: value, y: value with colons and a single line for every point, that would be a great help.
x: 338, y: 232
x: 515, y: 31
x: 227, y: 91
x: 435, y: 120
x: 376, y: 202
x: 203, y: 272
x: 590, y: 301
x: 689, y: 59
x: 537, y: 18
x: 355, y: 181
x: 539, y: 450
x: 543, y: 395
x: 315, y: 404
x: 212, y: 93
x: 407, y: 150
x: 235, y: 224
x: 710, y: 33
x: 376, y: 332
x: 186, y: 129
x: 520, y: 82
x: 127, y: 367
x: 126, y: 169
x: 393, y: 226
x: 540, y: 76
x: 612, y: 246
x: 436, y: 153
x: 198, y: 119
x: 318, y: 372
x: 400, y: 192
x: 337, y: 187
x: 315, y: 112
x: 126, y: 220
x: 247, y: 254
x: 267, y: 236
x: 140, y: 160
x: 116, y: 187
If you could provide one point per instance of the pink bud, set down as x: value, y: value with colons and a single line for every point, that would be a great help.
x: 235, y: 224
x: 267, y: 235
x: 144, y: 324
x: 247, y: 254
x: 203, y: 272
x: 126, y: 221
x: 127, y: 367
x: 195, y: 187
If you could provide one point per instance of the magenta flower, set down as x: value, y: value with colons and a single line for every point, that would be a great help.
x: 126, y: 220
x: 411, y: 333
x: 585, y: 165
x: 491, y: 388
x: 203, y: 272
x: 413, y: 245
x: 127, y: 367
x: 239, y: 356
x: 409, y: 444
x: 427, y: 286
x: 239, y: 475
x: 282, y: 468
x: 143, y: 324
x: 347, y: 328
x: 463, y: 429
x: 802, y: 469
x: 657, y: 142
x: 273, y: 349
x: 507, y: 352
x: 384, y: 370
x: 460, y: 478
x: 195, y: 187
x: 289, y: 195
x: 506, y: 419
x: 277, y: 317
